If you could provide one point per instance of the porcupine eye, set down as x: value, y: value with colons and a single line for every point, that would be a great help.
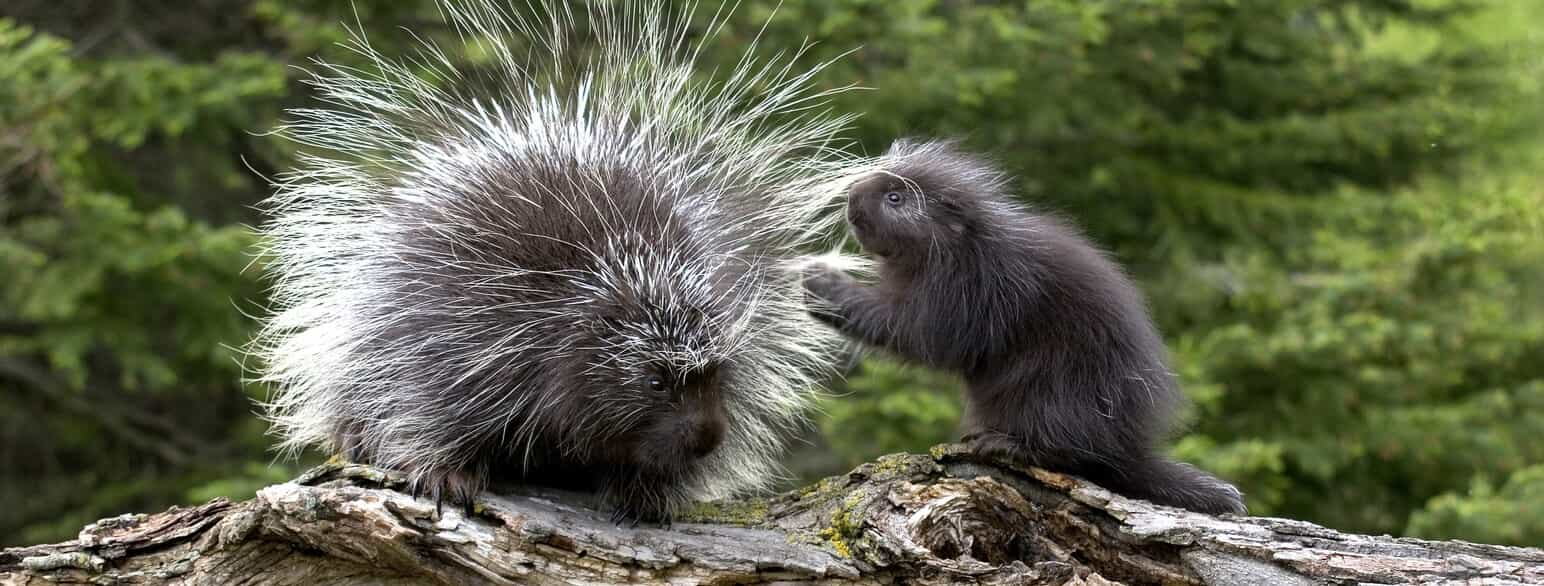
x: 655, y: 383
x: 893, y: 198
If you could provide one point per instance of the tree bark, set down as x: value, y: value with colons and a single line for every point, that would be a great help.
x: 940, y: 518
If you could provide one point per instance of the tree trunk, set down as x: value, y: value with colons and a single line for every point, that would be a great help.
x: 943, y: 518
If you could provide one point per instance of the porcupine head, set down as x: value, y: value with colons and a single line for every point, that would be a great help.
x: 576, y: 279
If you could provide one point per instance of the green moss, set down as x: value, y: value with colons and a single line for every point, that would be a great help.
x: 740, y: 512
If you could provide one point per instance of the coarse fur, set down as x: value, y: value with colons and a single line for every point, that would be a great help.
x: 564, y: 267
x: 1063, y: 366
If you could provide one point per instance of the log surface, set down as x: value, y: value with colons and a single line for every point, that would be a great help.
x: 939, y: 518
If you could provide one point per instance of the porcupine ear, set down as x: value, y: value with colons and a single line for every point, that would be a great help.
x: 951, y: 213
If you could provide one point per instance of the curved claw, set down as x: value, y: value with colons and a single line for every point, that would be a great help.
x: 459, y: 488
x: 632, y: 517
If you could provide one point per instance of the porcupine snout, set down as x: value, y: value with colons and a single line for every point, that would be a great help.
x: 705, y: 426
x: 861, y: 201
x: 856, y: 215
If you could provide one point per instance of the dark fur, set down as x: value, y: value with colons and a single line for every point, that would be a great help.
x: 1064, y: 368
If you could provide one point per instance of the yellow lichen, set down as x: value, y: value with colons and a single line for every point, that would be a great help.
x: 843, y: 527
x: 841, y: 549
x: 892, y: 463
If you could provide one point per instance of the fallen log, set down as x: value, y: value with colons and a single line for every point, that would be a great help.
x: 939, y: 518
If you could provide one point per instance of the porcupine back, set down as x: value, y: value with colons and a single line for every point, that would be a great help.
x: 442, y: 267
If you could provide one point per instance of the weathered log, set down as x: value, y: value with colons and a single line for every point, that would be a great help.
x: 942, y: 518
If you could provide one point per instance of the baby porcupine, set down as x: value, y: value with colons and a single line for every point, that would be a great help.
x: 1064, y: 368
x: 562, y: 267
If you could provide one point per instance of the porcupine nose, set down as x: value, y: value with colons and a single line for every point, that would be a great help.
x: 855, y: 215
x: 706, y: 435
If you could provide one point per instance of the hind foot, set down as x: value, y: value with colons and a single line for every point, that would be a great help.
x: 999, y: 447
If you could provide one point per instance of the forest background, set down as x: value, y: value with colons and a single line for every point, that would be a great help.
x: 1334, y: 207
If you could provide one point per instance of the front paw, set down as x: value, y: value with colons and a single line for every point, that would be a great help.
x: 823, y: 286
x: 630, y: 515
x: 641, y: 497
x: 823, y: 281
x: 645, y: 506
x: 457, y: 488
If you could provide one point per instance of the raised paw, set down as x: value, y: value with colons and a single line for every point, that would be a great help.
x: 823, y: 286
x: 822, y: 281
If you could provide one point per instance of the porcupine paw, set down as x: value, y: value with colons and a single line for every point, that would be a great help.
x: 822, y: 280
x: 457, y: 488
x: 822, y: 286
x: 631, y: 514
x: 994, y: 446
x: 637, y: 497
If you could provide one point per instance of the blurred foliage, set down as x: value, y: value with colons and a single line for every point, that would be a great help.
x: 116, y: 389
x: 1334, y: 206
x: 888, y: 408
x: 1507, y: 515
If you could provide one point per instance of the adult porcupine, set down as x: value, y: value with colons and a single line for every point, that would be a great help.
x: 1064, y: 368
x: 560, y: 268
